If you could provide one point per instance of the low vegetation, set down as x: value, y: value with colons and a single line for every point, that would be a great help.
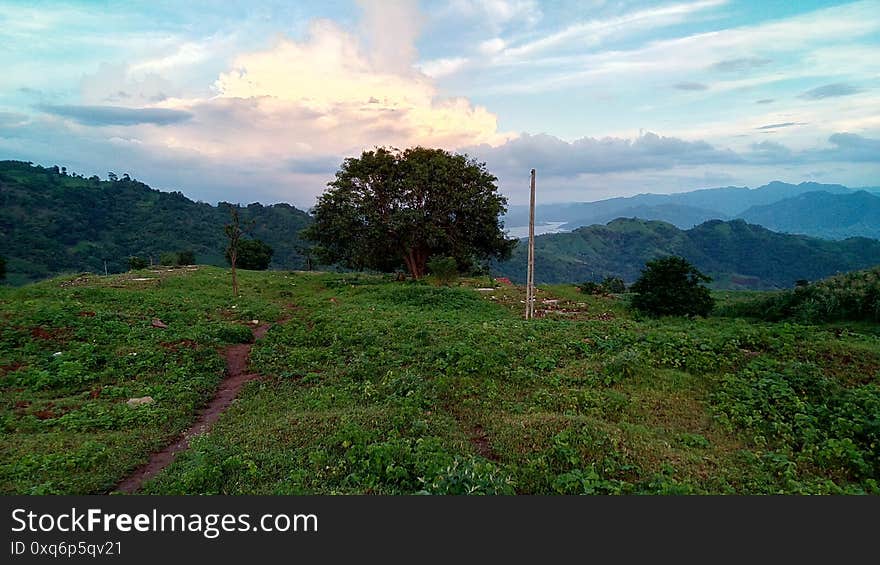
x: 375, y: 386
x: 848, y: 297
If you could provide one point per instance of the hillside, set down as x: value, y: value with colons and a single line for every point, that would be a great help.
x: 848, y: 297
x: 821, y: 214
x: 368, y: 386
x: 54, y: 222
x: 735, y: 253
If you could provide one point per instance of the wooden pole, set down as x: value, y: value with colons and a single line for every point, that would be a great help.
x: 530, y: 278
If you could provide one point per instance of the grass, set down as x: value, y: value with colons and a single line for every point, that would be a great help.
x: 373, y: 386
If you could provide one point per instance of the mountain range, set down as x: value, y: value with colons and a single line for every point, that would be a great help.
x: 830, y: 211
x: 735, y: 253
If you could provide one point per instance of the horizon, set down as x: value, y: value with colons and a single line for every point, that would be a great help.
x: 262, y: 103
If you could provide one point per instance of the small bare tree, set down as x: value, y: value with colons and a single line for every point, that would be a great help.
x: 234, y: 233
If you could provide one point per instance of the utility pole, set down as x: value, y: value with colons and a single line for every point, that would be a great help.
x: 530, y: 277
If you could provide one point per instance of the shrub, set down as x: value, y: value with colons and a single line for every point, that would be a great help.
x: 672, y: 287
x: 135, y: 263
x: 613, y: 285
x: 168, y: 259
x: 445, y: 269
x: 186, y: 257
x: 590, y: 287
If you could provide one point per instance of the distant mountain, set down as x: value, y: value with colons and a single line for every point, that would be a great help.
x: 821, y: 214
x: 680, y: 215
x: 684, y: 209
x: 53, y: 222
x: 737, y: 254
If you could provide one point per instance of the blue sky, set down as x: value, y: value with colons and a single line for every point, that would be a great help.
x: 260, y: 101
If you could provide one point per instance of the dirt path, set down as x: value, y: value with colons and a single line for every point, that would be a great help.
x: 236, y: 377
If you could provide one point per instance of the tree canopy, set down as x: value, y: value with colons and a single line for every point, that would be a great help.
x: 253, y: 254
x: 671, y: 286
x: 389, y: 209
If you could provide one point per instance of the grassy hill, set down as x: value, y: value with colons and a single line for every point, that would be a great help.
x: 372, y: 386
x: 53, y: 222
x: 735, y: 253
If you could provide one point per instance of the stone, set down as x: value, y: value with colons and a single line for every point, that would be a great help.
x: 135, y: 402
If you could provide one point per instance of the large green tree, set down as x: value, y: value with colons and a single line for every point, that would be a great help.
x: 389, y: 209
x: 671, y: 286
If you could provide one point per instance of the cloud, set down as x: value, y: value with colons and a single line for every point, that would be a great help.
x: 765, y: 101
x: 555, y: 157
x: 117, y: 84
x: 117, y: 115
x: 12, y: 119
x: 793, y: 42
x: 739, y: 65
x: 325, y: 165
x: 287, y: 114
x: 689, y: 86
x: 769, y: 152
x: 438, y: 68
x: 853, y: 147
x: 830, y: 91
x: 391, y: 28
x: 495, y: 14
x: 782, y: 125
x: 593, y: 32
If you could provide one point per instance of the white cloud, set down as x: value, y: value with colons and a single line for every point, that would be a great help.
x: 332, y: 94
x: 496, y: 14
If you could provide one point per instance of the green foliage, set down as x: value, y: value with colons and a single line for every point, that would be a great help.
x: 590, y: 287
x: 444, y: 269
x: 795, y: 409
x: 671, y: 286
x: 135, y: 263
x: 610, y: 285
x: 186, y: 257
x: 390, y: 208
x: 613, y: 285
x: 374, y: 387
x: 168, y: 259
x: 2, y: 268
x: 54, y: 223
x: 848, y: 297
x: 253, y: 254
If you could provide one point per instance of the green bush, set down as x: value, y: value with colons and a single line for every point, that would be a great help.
x: 613, y: 285
x: 186, y: 257
x: 135, y: 263
x: 671, y: 286
x: 590, y: 287
x: 445, y: 269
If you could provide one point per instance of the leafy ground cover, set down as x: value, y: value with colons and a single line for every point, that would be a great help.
x: 375, y: 386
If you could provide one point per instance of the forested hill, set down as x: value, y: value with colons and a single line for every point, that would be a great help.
x: 735, y: 253
x: 53, y: 222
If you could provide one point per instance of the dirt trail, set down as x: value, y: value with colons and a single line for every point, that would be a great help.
x: 236, y: 377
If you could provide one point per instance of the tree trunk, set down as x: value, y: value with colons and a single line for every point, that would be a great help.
x: 233, y: 256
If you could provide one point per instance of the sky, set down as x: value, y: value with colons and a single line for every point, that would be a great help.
x: 261, y: 101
